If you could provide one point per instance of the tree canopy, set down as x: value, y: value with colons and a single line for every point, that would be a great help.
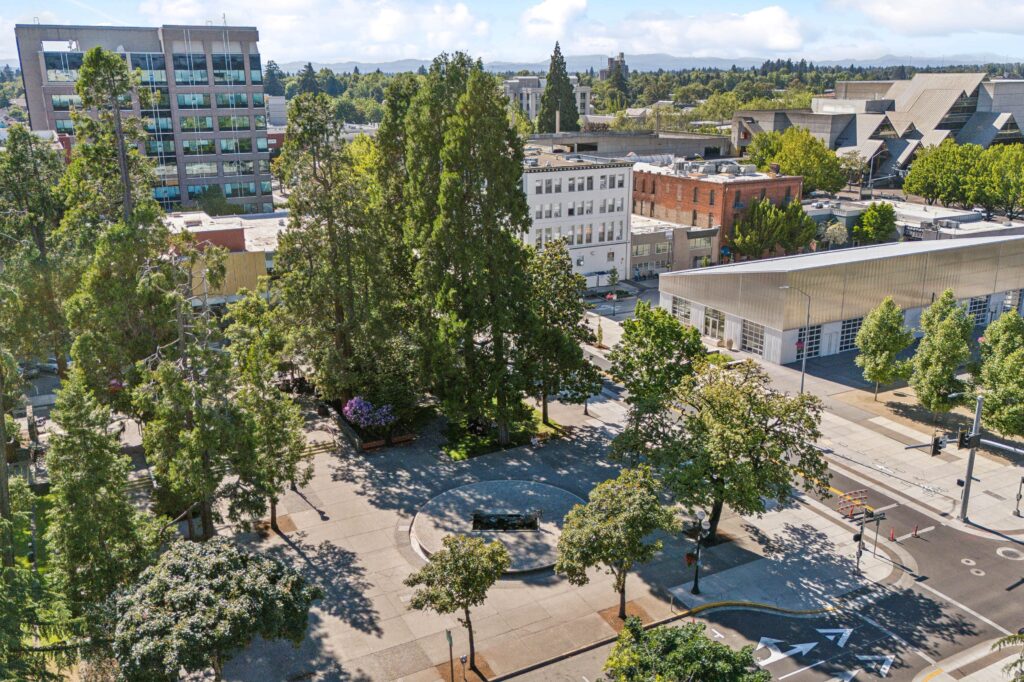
x: 881, y: 338
x: 876, y: 224
x: 944, y: 348
x: 559, y: 98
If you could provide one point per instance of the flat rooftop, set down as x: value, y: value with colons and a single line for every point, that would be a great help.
x: 720, y: 178
x: 539, y: 159
x: 261, y: 230
x: 824, y: 259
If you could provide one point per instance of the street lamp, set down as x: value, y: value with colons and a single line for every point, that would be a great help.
x: 807, y: 335
x: 702, y: 533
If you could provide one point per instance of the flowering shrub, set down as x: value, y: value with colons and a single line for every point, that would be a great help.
x: 362, y: 413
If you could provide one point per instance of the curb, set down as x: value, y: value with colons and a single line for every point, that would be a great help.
x: 753, y: 606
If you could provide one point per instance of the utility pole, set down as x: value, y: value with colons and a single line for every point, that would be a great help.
x: 975, y: 437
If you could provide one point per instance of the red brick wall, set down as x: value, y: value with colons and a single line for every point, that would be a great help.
x: 671, y: 198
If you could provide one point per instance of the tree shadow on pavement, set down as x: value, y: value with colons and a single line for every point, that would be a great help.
x: 336, y: 571
x: 310, y: 661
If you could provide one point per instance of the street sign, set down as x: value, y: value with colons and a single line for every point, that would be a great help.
x: 448, y: 636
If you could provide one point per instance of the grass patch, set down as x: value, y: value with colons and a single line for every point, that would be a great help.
x: 463, y: 443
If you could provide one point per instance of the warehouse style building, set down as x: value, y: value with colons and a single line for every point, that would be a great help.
x: 762, y: 306
x: 207, y: 119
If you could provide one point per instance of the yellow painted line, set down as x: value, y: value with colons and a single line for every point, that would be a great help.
x: 932, y: 674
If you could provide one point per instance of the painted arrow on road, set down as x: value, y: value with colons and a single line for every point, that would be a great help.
x: 845, y: 676
x: 838, y: 635
x: 884, y: 662
x: 776, y: 654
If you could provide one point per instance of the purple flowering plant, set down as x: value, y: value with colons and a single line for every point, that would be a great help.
x: 362, y: 413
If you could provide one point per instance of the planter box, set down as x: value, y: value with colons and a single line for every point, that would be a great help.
x: 358, y: 442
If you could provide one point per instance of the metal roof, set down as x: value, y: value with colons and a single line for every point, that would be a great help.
x: 861, y: 254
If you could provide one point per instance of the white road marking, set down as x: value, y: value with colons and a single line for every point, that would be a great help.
x: 838, y: 635
x: 885, y: 662
x: 718, y: 635
x: 814, y: 665
x: 776, y: 654
x: 905, y: 643
x: 963, y: 607
x: 911, y: 534
x: 845, y: 676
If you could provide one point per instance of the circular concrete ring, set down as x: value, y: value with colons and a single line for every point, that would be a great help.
x: 1010, y: 553
x: 968, y: 562
x: 451, y: 513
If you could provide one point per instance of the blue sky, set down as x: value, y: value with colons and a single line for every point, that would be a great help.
x: 383, y: 30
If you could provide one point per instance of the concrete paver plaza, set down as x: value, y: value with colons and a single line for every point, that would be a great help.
x: 348, y: 531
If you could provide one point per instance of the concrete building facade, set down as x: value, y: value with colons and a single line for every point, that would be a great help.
x: 759, y: 306
x: 707, y: 194
x: 526, y: 91
x: 656, y: 246
x: 584, y: 202
x: 207, y: 123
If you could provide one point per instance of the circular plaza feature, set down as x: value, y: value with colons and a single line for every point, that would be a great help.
x: 525, y: 516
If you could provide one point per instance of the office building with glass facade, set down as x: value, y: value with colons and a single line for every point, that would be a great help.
x: 762, y: 306
x: 205, y: 116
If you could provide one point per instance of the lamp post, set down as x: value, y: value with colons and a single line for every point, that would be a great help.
x: 702, y: 533
x: 807, y: 335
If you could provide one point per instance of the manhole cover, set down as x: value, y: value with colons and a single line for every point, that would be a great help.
x: 1010, y: 553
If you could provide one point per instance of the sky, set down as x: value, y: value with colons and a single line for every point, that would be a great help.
x: 525, y: 30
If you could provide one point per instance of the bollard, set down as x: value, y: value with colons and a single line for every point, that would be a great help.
x: 892, y: 535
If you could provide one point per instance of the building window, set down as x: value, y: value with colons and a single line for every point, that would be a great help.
x: 547, y: 186
x: 198, y: 169
x: 233, y: 122
x: 159, y: 124
x: 590, y: 182
x: 258, y: 100
x: 190, y: 69
x: 538, y: 187
x: 62, y: 67
x: 589, y: 234
x: 159, y: 147
x: 714, y: 323
x: 167, y: 194
x: 228, y: 69
x: 977, y: 308
x: 232, y: 100
x: 622, y: 180
x: 700, y: 243
x: 238, y: 168
x: 65, y: 102
x: 809, y: 342
x: 239, y: 189
x: 603, y: 183
x: 752, y: 337
x: 711, y: 198
x: 65, y: 126
x: 193, y: 100
x: 153, y: 67
x: 681, y: 309
x: 848, y: 334
x: 572, y: 185
x: 641, y: 250
x: 693, y: 217
x: 661, y: 247
x: 196, y: 124
x: 195, y: 191
x: 789, y: 195
x: 736, y: 200
x: 194, y: 147
x: 255, y: 69
x: 611, y: 256
x: 558, y: 185
x: 265, y: 187
x: 236, y: 145
x: 695, y: 190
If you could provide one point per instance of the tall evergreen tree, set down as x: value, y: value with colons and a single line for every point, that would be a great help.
x: 308, y: 82
x: 758, y: 232
x: 273, y: 79
x: 477, y: 293
x: 559, y: 96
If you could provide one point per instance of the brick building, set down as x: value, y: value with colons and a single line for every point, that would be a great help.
x: 707, y: 194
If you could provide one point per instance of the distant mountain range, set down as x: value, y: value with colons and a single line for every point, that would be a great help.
x: 654, y: 62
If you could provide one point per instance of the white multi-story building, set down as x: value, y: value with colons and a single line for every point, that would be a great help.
x: 527, y: 91
x: 586, y: 202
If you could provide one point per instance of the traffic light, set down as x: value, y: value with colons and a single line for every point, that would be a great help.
x: 856, y: 537
x: 963, y: 439
x: 937, y: 445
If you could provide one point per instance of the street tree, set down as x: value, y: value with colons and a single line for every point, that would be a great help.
x: 97, y: 540
x: 678, y: 653
x: 202, y: 603
x: 763, y: 148
x: 104, y: 84
x: 743, y: 442
x: 274, y: 455
x: 475, y: 316
x: 854, y: 166
x: 801, y: 153
x: 881, y: 338
x: 1002, y: 375
x: 834, y: 234
x: 456, y: 579
x: 40, y: 272
x: 1015, y: 668
x: 796, y: 228
x: 758, y: 231
x: 653, y: 357
x: 611, y: 530
x: 558, y: 98
x: 554, y: 346
x: 876, y: 224
x: 944, y: 348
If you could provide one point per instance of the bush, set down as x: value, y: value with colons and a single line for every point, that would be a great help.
x: 361, y: 413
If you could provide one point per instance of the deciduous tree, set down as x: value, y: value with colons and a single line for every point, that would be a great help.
x: 758, y: 231
x: 803, y: 154
x: 1002, y: 375
x: 881, y: 338
x: 457, y: 578
x: 678, y: 653
x: 944, y: 348
x: 200, y: 604
x: 611, y: 530
x: 876, y: 224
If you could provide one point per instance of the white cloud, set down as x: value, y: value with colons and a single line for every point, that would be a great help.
x: 340, y: 30
x: 761, y: 32
x: 550, y: 19
x: 943, y: 17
